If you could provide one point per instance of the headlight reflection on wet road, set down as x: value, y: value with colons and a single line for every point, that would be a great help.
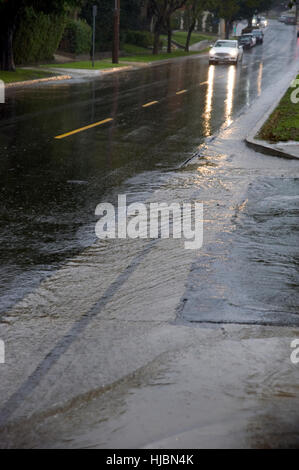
x: 209, y: 101
x: 230, y: 95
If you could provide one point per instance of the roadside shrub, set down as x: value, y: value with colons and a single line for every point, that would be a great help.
x: 77, y: 37
x: 37, y: 37
x: 139, y: 38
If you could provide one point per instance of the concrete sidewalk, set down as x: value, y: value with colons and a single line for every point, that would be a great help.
x: 199, y: 46
x: 86, y: 73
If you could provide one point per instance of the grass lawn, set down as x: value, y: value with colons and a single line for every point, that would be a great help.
x: 143, y: 55
x: 135, y: 50
x: 86, y: 64
x: 283, y: 124
x: 21, y: 75
x: 181, y: 36
x: 162, y: 56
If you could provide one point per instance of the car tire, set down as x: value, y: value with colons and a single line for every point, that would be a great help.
x: 211, y: 62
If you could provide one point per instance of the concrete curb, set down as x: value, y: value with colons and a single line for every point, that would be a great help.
x: 83, y: 73
x: 261, y: 145
x: 89, y: 73
x: 156, y: 63
x: 38, y: 80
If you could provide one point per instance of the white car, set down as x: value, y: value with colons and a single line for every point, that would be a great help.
x: 227, y: 51
x: 263, y: 23
x: 259, y: 21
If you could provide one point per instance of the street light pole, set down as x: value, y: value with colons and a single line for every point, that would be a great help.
x: 115, y: 51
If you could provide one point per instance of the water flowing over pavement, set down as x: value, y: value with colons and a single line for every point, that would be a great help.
x: 138, y: 343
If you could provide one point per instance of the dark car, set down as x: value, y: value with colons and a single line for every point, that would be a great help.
x: 247, y: 41
x: 259, y: 36
x: 290, y: 20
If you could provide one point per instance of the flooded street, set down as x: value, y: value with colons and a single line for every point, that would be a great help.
x: 142, y: 343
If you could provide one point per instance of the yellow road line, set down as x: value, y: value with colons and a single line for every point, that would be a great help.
x: 149, y: 104
x: 181, y: 92
x: 203, y: 83
x: 62, y: 136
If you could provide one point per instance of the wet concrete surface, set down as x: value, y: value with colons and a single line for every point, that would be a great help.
x: 50, y: 188
x: 187, y: 348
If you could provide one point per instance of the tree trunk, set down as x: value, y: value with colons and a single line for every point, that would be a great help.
x: 157, y: 38
x: 6, y: 50
x: 227, y: 29
x: 190, y: 31
x: 250, y: 22
x: 169, y: 35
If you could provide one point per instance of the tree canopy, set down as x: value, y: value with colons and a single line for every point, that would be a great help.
x: 10, y: 13
x: 135, y: 14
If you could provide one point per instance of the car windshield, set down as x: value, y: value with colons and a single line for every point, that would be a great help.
x: 225, y: 44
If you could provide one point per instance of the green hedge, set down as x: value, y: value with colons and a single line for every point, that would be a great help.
x: 77, y: 37
x: 139, y: 38
x: 37, y: 37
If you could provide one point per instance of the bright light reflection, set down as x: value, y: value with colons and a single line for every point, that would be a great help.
x: 230, y: 95
x: 209, y: 102
x: 259, y: 79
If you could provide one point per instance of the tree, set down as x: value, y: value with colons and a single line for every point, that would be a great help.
x: 248, y: 8
x: 195, y: 9
x: 162, y: 10
x: 134, y: 16
x: 10, y: 14
x: 228, y: 10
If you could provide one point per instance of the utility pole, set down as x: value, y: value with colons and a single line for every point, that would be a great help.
x: 94, y: 14
x: 115, y: 51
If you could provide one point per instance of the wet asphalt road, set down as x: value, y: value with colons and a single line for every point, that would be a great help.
x: 105, y: 351
x: 50, y: 188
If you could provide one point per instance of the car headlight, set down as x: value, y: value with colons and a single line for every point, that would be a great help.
x: 234, y: 53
